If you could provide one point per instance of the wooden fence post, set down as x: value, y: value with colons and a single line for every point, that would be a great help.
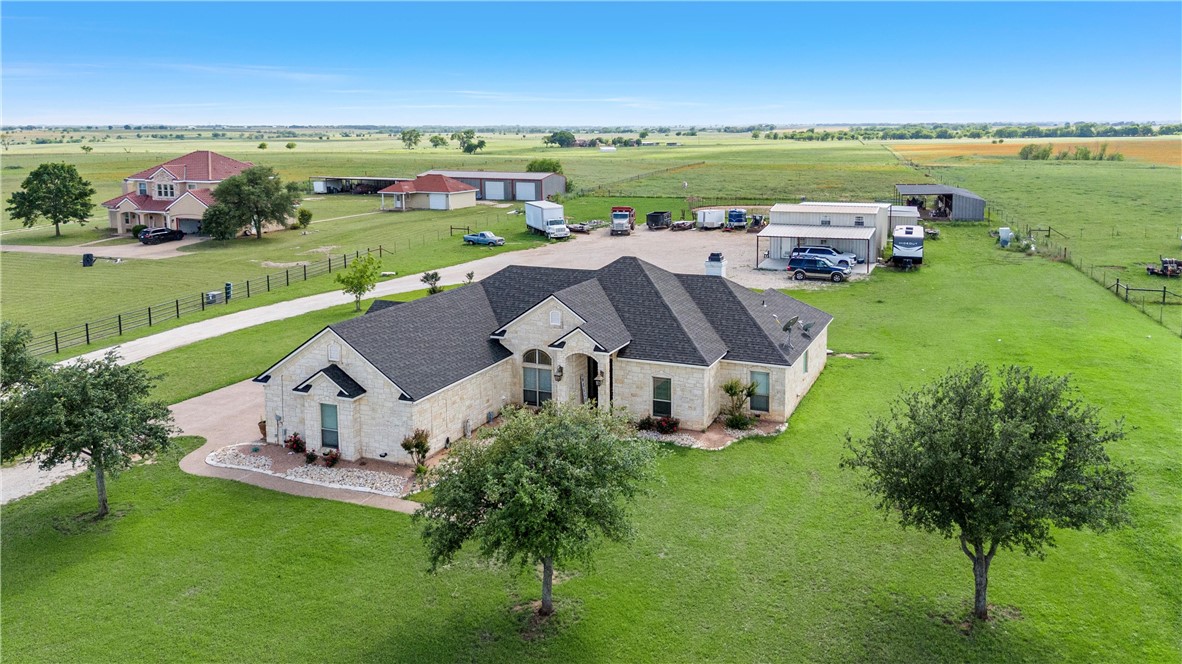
x: 87, y: 326
x: 287, y: 277
x: 248, y: 288
x: 268, y: 283
x: 56, y: 347
x: 305, y: 271
x: 149, y: 316
x: 120, y: 324
x: 178, y: 308
x: 329, y: 265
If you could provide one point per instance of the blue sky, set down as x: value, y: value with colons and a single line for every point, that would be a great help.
x: 589, y: 64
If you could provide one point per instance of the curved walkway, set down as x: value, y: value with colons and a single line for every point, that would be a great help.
x: 230, y: 415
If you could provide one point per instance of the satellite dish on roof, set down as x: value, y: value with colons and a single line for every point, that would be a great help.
x: 791, y: 321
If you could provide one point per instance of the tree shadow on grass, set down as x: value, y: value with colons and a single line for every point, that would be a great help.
x: 915, y: 629
x: 510, y: 632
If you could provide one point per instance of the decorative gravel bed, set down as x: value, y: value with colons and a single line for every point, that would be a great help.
x: 351, y: 478
x: 230, y: 457
x: 384, y: 483
x: 682, y: 439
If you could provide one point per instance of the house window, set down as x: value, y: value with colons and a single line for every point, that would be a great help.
x: 536, y: 378
x: 165, y: 191
x: 334, y: 352
x: 662, y: 397
x: 128, y: 218
x: 859, y: 221
x: 824, y: 221
x: 759, y: 400
x: 329, y: 436
x: 556, y: 318
x: 805, y: 366
x: 192, y: 186
x: 143, y: 189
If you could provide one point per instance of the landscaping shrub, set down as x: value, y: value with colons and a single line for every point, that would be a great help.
x: 137, y: 229
x: 646, y: 423
x: 738, y: 421
x: 296, y: 443
x: 309, y: 457
x: 667, y: 425
x: 418, y: 446
x: 331, y: 458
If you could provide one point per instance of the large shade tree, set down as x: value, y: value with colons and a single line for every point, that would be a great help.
x: 995, y: 466
x: 546, y: 490
x: 17, y: 364
x: 55, y: 192
x: 250, y: 199
x: 97, y: 412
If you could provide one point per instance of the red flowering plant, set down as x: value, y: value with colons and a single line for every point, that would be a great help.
x: 295, y: 443
x: 331, y: 458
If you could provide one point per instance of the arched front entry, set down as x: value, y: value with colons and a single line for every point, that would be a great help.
x: 581, y: 370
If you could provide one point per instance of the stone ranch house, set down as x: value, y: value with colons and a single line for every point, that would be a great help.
x: 627, y: 335
x: 174, y: 194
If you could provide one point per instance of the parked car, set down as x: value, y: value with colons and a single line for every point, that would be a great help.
x: 158, y: 235
x: 803, y: 267
x: 832, y: 255
x: 484, y: 237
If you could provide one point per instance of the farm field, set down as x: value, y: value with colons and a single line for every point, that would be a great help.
x: 1116, y: 216
x: 1162, y: 150
x: 756, y: 553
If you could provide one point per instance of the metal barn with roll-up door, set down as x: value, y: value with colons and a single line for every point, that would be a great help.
x: 509, y: 186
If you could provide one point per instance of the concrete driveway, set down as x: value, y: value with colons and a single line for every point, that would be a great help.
x: 122, y: 251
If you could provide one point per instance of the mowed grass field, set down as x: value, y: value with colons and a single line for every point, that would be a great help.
x: 763, y: 552
x: 1117, y: 216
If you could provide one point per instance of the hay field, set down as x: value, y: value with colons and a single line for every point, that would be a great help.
x: 1164, y: 150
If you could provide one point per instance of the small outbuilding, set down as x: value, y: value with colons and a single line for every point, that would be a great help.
x: 428, y: 192
x: 949, y: 202
x: 509, y: 186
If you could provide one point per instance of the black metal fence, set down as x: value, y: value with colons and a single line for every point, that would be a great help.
x: 120, y: 324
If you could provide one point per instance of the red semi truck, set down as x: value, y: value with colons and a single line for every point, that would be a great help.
x: 623, y: 220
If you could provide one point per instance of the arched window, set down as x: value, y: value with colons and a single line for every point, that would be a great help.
x: 536, y: 378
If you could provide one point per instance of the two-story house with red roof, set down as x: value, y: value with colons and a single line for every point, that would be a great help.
x: 174, y: 194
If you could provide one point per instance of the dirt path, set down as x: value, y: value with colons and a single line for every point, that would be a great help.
x: 122, y: 251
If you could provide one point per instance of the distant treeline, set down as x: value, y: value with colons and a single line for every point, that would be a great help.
x: 1037, y: 152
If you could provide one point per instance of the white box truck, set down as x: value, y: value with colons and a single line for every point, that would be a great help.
x: 546, y: 218
x: 907, y: 245
x: 711, y: 219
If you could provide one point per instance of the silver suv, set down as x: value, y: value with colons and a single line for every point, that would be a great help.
x: 841, y: 258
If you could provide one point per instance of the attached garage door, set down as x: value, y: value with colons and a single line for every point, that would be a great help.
x: 526, y: 191
x: 494, y: 191
x: 438, y: 201
x: 189, y: 226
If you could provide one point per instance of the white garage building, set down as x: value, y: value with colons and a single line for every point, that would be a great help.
x: 860, y: 228
x: 508, y: 186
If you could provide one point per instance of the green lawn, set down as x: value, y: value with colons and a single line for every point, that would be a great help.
x: 1116, y: 216
x: 763, y: 552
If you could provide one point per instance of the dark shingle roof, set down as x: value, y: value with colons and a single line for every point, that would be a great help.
x: 590, y: 302
x: 428, y: 344
x: 752, y: 323
x: 350, y: 389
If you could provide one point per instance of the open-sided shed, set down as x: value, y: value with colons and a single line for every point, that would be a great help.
x: 950, y: 203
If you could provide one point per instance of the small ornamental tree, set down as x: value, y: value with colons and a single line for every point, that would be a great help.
x: 418, y: 446
x: 304, y: 217
x: 739, y: 393
x: 53, y: 191
x: 360, y: 277
x: 547, y: 489
x: 995, y: 466
x: 95, y: 411
x: 432, y: 280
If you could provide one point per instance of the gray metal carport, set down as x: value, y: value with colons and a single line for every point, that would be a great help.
x: 965, y: 205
